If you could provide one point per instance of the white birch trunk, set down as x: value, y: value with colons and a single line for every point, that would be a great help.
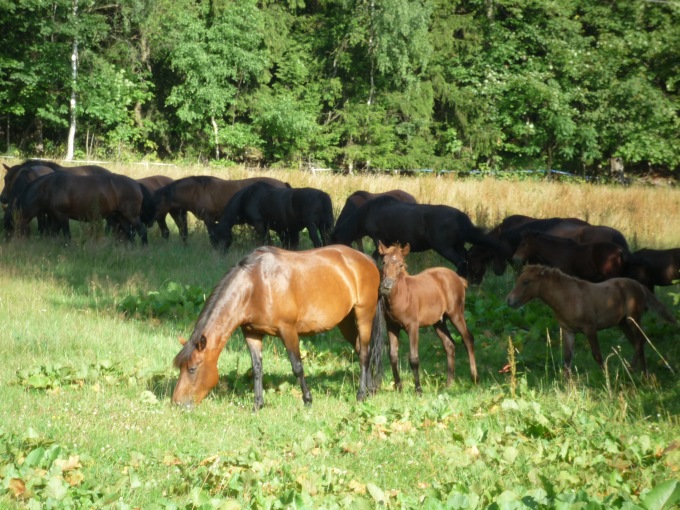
x: 72, y: 106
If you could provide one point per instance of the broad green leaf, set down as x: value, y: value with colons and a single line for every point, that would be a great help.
x: 662, y: 496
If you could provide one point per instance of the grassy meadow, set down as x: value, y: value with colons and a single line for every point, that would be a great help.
x: 89, y: 331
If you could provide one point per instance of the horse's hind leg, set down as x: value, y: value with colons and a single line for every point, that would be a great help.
x: 413, y: 358
x: 457, y: 318
x: 393, y: 335
x: 255, y: 347
x: 637, y: 340
x: 292, y: 343
x: 358, y: 333
x: 314, y: 235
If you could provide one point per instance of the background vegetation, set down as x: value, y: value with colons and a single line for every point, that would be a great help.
x: 349, y: 84
x: 89, y: 331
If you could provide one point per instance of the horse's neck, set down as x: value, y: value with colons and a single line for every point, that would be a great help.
x: 224, y: 312
x: 554, y: 288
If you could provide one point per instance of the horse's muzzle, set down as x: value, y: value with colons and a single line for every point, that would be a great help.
x: 513, y: 301
x: 386, y: 286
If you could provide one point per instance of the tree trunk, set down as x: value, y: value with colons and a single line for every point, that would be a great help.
x: 72, y: 105
x: 216, y: 131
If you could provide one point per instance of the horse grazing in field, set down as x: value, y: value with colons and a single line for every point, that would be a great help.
x: 155, y: 182
x: 286, y: 211
x: 594, y: 262
x: 63, y: 196
x: 20, y: 181
x: 654, y: 267
x: 585, y: 307
x: 286, y: 294
x: 440, y: 228
x: 359, y: 198
x: 11, y: 173
x: 426, y: 299
x: 204, y: 196
x: 509, y: 234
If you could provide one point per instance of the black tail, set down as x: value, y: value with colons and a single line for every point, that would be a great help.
x: 148, y: 211
x: 377, y: 347
x: 653, y: 303
x: 326, y: 224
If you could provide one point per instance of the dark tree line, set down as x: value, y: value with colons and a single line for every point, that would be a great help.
x: 352, y: 84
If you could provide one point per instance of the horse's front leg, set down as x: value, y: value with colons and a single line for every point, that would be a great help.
x: 413, y: 358
x: 591, y: 335
x: 637, y: 340
x: 291, y: 341
x: 314, y: 235
x: 254, y: 343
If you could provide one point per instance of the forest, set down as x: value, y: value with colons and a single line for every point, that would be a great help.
x: 354, y: 85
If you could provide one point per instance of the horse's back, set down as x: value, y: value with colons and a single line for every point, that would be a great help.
x: 312, y: 290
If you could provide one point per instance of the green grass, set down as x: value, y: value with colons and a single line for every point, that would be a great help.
x: 86, y: 421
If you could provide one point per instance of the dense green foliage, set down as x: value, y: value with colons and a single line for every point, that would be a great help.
x: 351, y: 84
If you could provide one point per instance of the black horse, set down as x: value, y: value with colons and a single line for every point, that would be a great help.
x: 654, y: 267
x: 440, y: 228
x: 285, y: 211
x: 63, y: 196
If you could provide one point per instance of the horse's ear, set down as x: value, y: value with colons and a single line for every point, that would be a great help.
x: 381, y: 248
x: 182, y: 340
x: 6, y: 167
x: 406, y: 249
x: 200, y: 345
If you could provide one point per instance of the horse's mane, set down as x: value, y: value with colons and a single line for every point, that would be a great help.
x: 549, y: 237
x: 245, y: 264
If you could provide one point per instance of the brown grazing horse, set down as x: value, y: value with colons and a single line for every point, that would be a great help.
x: 63, y: 196
x: 584, y: 307
x: 11, y: 173
x: 204, y: 196
x: 155, y: 182
x: 655, y: 267
x: 594, y: 262
x: 425, y: 299
x: 286, y: 294
x: 360, y: 197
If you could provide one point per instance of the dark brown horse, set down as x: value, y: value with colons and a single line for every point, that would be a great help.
x: 63, y: 196
x: 359, y: 198
x: 584, y: 307
x: 204, y: 196
x: 594, y: 262
x: 509, y: 234
x: 155, y: 182
x: 21, y: 179
x: 286, y: 294
x: 440, y: 228
x: 287, y: 211
x: 428, y: 298
x: 11, y: 173
x: 655, y: 267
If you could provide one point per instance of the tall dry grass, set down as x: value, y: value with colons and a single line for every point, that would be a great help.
x: 648, y: 216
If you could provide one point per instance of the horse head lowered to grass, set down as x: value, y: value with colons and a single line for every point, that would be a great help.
x: 286, y: 294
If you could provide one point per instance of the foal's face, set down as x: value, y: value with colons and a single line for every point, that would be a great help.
x: 393, y: 265
x: 526, y: 288
x: 197, y: 376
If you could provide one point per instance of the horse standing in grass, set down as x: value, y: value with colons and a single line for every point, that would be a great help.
x: 63, y: 196
x: 440, y: 228
x: 584, y: 307
x: 285, y: 211
x: 286, y: 294
x: 594, y: 262
x: 426, y: 299
x: 655, y: 267
x: 359, y: 198
x: 204, y: 196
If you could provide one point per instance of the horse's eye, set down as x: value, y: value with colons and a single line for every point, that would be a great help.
x: 192, y: 370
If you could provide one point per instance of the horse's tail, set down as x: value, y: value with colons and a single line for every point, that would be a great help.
x: 326, y: 224
x: 147, y: 212
x: 654, y: 304
x: 377, y: 347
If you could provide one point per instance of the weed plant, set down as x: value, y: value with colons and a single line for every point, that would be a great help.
x: 89, y: 331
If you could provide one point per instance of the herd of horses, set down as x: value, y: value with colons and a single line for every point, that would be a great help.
x: 585, y: 273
